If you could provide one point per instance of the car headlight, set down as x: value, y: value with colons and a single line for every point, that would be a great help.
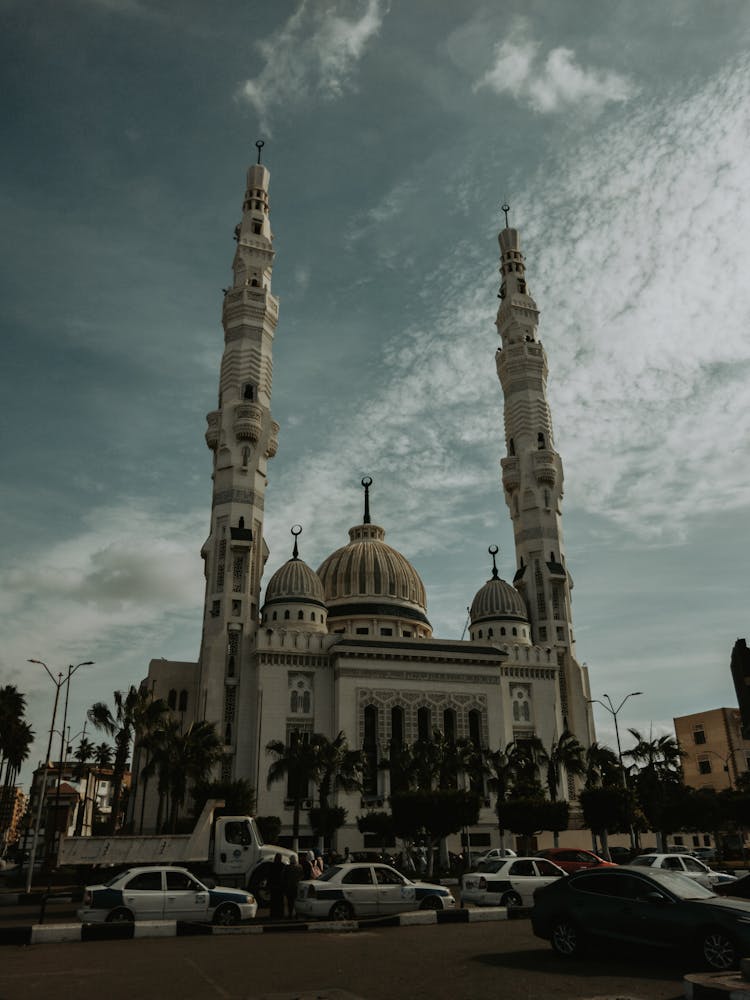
x: 249, y: 898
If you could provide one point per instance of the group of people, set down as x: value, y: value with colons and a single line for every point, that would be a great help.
x: 284, y: 879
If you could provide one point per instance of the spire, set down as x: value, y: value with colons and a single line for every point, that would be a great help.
x: 367, y: 483
x: 296, y: 529
x: 493, y: 551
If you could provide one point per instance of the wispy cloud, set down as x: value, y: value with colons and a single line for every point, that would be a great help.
x: 315, y: 52
x: 550, y: 82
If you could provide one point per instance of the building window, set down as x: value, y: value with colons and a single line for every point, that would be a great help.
x: 362, y: 631
x: 172, y: 699
x: 370, y: 751
x: 215, y: 609
x: 561, y: 634
x: 540, y: 443
x: 182, y: 705
x: 515, y: 630
x: 489, y: 633
x: 424, y: 724
x: 475, y: 727
x: 502, y: 630
x: 248, y: 391
x: 300, y: 615
x: 699, y: 737
x: 406, y: 634
x: 386, y: 631
x: 704, y: 766
x: 312, y: 617
x: 397, y: 726
x: 274, y: 616
x: 449, y: 725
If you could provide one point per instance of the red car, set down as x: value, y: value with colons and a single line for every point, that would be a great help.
x: 572, y: 859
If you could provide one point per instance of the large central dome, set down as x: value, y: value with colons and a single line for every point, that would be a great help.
x: 371, y: 589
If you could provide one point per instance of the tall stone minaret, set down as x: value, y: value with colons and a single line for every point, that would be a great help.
x: 242, y: 437
x: 533, y: 482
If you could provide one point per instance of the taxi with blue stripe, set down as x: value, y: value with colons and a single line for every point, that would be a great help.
x: 164, y: 893
x: 508, y: 881
x: 349, y: 891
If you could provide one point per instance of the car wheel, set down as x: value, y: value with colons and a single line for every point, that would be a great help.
x: 120, y: 916
x: 341, y: 911
x: 510, y: 899
x: 566, y: 938
x: 258, y: 886
x: 719, y: 950
x: 227, y: 914
x: 431, y: 903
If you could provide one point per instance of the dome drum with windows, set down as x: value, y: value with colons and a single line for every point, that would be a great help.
x: 371, y: 589
x: 498, y: 612
x: 294, y: 596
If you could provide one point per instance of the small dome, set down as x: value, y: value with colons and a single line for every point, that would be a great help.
x: 295, y: 581
x: 497, y: 600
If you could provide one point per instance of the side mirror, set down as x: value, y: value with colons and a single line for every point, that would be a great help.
x: 655, y: 898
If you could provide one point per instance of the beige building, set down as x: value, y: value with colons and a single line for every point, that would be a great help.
x: 715, y: 752
x: 350, y: 647
x: 12, y: 809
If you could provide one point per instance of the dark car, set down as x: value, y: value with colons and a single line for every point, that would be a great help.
x: 640, y: 906
x: 572, y: 859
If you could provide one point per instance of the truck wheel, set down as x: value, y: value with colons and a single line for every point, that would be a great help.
x: 258, y: 886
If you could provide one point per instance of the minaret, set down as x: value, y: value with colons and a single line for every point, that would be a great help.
x: 532, y: 476
x: 242, y: 437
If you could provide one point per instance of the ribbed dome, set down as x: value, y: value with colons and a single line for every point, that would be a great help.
x: 368, y: 568
x: 295, y: 581
x: 497, y: 599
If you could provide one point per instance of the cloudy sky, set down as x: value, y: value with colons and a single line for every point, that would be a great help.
x: 619, y: 133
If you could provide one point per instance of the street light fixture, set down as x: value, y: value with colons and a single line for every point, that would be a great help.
x: 614, y: 712
x: 58, y: 684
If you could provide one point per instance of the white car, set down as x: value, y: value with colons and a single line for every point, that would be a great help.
x: 496, y: 853
x: 508, y: 881
x: 164, y: 893
x: 344, y: 892
x: 684, y: 864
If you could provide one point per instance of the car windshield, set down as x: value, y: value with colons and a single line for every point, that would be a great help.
x: 680, y: 885
x: 118, y: 876
x: 644, y: 860
x: 490, y: 866
x: 329, y: 873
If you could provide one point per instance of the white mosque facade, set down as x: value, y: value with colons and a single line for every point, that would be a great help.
x: 349, y: 648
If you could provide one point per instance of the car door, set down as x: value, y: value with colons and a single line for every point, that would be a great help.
x: 395, y: 893
x: 546, y: 873
x: 143, y: 894
x: 649, y: 915
x: 524, y: 879
x: 186, y: 898
x: 697, y: 870
x: 360, y: 890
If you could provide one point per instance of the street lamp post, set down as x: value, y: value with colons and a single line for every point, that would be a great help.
x: 58, y: 684
x: 63, y: 742
x: 614, y: 712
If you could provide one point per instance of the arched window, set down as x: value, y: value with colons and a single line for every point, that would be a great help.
x: 370, y: 751
x: 424, y: 723
x: 512, y: 448
x: 502, y: 630
x: 490, y: 633
x: 449, y: 725
x: 286, y: 614
x: 172, y: 699
x: 397, y: 726
x: 515, y: 630
x: 475, y: 727
x: 183, y: 701
x: 300, y: 615
x: 274, y: 616
x: 480, y: 633
x: 293, y: 701
x: 306, y: 702
x: 312, y: 616
x: 540, y: 441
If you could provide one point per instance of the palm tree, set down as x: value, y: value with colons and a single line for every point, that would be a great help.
x: 131, y: 710
x: 602, y: 767
x: 17, y: 740
x: 195, y: 753
x: 504, y: 766
x: 296, y: 764
x: 336, y: 767
x: 83, y: 754
x: 103, y: 754
x: 566, y: 755
x: 659, y: 768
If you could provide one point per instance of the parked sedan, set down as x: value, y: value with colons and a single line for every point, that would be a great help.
x: 164, y: 893
x: 572, y: 859
x: 508, y: 881
x: 684, y: 864
x: 343, y: 892
x: 642, y: 906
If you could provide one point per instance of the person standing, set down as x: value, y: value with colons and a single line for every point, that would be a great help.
x: 292, y: 878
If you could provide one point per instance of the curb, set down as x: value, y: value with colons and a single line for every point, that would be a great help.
x: 63, y: 933
x: 716, y: 986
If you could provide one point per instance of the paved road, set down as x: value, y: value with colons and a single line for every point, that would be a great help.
x: 455, y: 962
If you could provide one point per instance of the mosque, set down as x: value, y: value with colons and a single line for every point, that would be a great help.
x: 349, y: 648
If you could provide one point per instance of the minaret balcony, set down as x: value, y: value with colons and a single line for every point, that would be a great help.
x: 248, y: 422
x: 214, y: 429
x: 545, y: 466
x: 273, y: 440
x: 511, y: 473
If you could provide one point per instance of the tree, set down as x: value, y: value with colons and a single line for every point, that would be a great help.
x: 103, y: 755
x: 566, y: 755
x: 131, y: 715
x: 602, y: 767
x: 83, y: 754
x: 238, y: 796
x: 434, y: 814
x: 194, y: 754
x: 380, y: 825
x: 504, y: 766
x: 606, y: 810
x: 296, y: 764
x: 16, y: 739
x: 659, y: 771
x: 335, y: 767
